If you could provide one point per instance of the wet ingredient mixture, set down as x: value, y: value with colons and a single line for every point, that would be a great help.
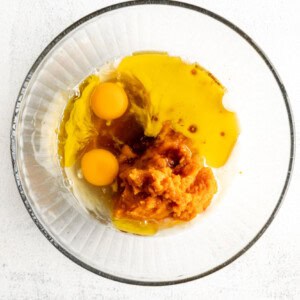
x: 150, y: 134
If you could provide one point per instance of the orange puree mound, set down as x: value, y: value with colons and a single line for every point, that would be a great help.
x: 168, y: 180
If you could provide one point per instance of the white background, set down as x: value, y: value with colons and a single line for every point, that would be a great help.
x: 31, y: 268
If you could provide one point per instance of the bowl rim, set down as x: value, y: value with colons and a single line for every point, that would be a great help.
x: 15, y: 118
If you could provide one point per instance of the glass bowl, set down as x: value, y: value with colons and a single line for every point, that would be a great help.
x: 251, y: 185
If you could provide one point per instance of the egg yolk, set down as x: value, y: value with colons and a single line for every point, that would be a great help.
x: 99, y: 167
x: 109, y: 101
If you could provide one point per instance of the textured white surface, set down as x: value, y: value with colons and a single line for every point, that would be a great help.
x: 30, y: 268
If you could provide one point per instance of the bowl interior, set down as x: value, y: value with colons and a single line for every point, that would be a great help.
x: 251, y: 184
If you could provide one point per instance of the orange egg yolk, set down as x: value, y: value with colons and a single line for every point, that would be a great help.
x: 99, y: 167
x: 109, y: 101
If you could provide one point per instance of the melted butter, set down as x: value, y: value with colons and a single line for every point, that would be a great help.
x: 147, y: 228
x: 136, y: 227
x: 77, y: 127
x: 188, y: 96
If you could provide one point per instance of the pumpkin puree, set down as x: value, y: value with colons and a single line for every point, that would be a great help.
x: 168, y: 181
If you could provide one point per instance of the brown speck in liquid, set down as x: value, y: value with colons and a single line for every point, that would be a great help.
x: 154, y: 118
x: 214, y: 78
x: 193, y: 71
x: 130, y: 161
x: 192, y: 129
x: 222, y: 133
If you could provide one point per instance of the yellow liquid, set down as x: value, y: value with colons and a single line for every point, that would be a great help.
x: 77, y: 127
x: 136, y: 227
x: 189, y: 97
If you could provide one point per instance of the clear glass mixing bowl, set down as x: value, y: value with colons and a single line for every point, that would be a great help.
x: 252, y: 184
